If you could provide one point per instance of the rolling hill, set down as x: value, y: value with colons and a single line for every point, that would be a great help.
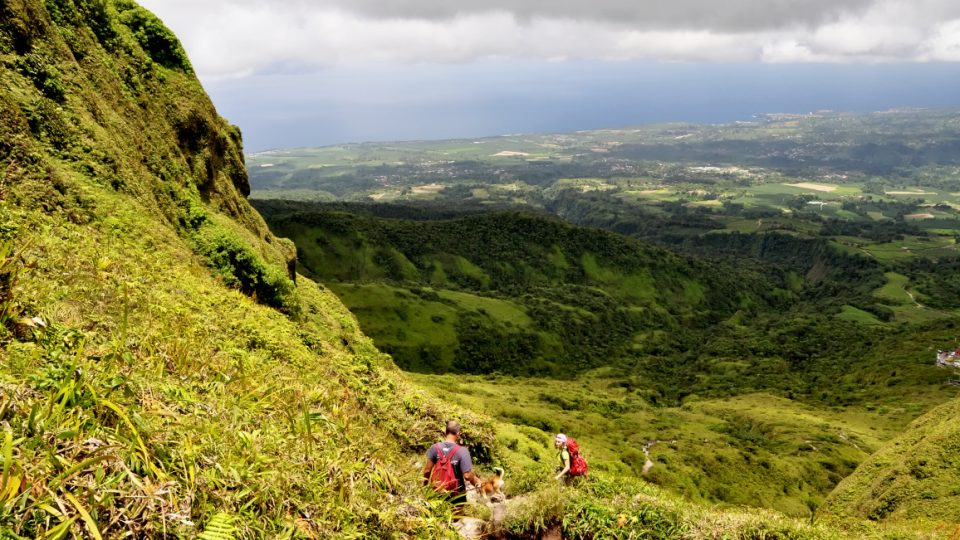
x: 753, y: 368
x: 913, y: 477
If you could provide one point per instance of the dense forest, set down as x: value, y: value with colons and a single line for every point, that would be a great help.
x: 525, y: 293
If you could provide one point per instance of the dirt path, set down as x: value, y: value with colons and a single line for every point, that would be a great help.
x: 477, y: 529
x: 910, y: 294
x: 471, y: 528
x: 646, y: 453
x: 499, y: 512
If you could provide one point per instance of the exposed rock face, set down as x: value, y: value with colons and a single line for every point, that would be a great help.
x: 471, y: 528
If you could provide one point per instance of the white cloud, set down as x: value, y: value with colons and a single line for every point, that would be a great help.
x: 944, y: 43
x: 231, y: 38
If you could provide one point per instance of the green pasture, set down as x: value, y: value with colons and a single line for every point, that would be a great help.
x: 919, y: 314
x: 310, y: 195
x: 651, y: 194
x: 897, y: 295
x: 421, y: 329
x: 850, y: 313
x: 372, y: 154
x: 944, y: 224
x: 895, y: 290
x: 707, y: 203
x: 911, y: 246
x: 505, y: 311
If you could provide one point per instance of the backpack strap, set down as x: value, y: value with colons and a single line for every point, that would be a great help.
x: 440, y: 455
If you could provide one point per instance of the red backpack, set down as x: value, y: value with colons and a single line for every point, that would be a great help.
x: 578, y: 464
x: 443, y: 477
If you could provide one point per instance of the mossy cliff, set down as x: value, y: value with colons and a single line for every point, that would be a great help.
x: 104, y: 93
x: 161, y: 372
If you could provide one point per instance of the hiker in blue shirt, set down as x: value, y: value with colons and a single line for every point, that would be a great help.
x: 448, y: 466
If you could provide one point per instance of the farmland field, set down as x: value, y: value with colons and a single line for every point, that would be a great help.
x: 888, y: 175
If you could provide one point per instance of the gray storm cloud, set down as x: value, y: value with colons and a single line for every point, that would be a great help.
x: 229, y: 38
x: 727, y: 15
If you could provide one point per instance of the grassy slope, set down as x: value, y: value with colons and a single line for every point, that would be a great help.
x: 190, y: 388
x: 399, y: 320
x: 755, y: 450
x: 913, y: 477
x: 158, y: 397
x: 620, y: 508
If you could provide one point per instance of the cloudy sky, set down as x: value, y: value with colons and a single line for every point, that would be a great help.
x: 309, y: 72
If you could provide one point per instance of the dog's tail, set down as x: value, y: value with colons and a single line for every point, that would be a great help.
x: 499, y: 471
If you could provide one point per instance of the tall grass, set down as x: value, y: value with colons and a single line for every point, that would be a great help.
x: 617, y: 508
x: 156, y: 399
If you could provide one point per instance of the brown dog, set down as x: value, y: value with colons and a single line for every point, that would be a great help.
x: 493, y: 486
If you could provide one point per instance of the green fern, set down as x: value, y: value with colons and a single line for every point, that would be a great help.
x: 220, y: 527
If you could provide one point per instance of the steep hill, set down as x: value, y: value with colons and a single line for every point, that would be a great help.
x: 913, y: 477
x: 161, y: 373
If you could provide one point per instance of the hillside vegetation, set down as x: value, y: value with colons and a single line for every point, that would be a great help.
x: 523, y: 293
x: 914, y: 477
x: 165, y: 372
x: 737, y: 380
x: 643, y: 300
x: 528, y: 293
x: 161, y: 374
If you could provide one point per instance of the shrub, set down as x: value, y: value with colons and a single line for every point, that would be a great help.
x: 529, y: 479
x: 10, y: 270
x: 47, y: 123
x: 44, y: 76
x: 240, y: 267
x: 62, y: 13
x: 157, y: 40
x: 101, y: 18
x: 538, y: 513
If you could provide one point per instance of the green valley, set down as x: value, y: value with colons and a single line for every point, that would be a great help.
x: 773, y: 327
x: 545, y: 295
x: 747, y: 365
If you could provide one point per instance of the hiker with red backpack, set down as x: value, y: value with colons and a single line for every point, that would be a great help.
x: 572, y: 463
x: 448, y: 467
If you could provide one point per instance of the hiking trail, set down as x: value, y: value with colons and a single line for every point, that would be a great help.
x: 476, y: 528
